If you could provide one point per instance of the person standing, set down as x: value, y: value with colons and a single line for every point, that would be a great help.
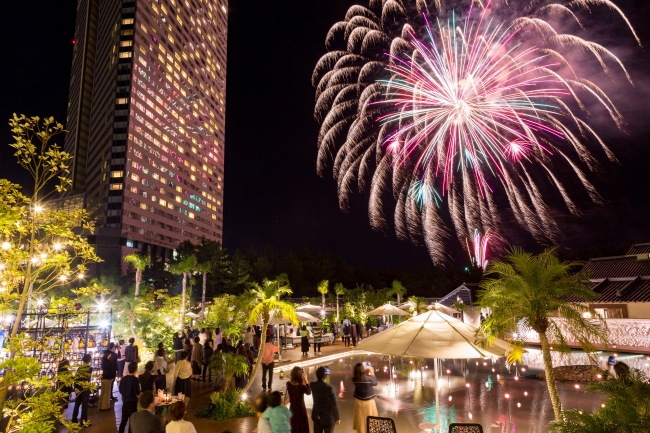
x: 183, y: 373
x: 147, y: 379
x: 258, y: 336
x: 82, y: 377
x: 144, y: 420
x: 364, y: 395
x: 178, y: 345
x: 121, y: 359
x: 304, y: 340
x: 218, y: 337
x: 131, y: 354
x: 178, y: 424
x: 108, y: 376
x: 203, y: 337
x: 130, y: 390
x: 282, y: 334
x: 116, y: 354
x: 359, y: 330
x: 268, y: 363
x: 297, y: 388
x: 249, y: 336
x: 207, y: 355
x: 346, y: 334
x: 353, y: 334
x: 161, y: 363
x: 325, y: 413
x: 197, y: 358
x: 317, y: 332
x: 263, y: 425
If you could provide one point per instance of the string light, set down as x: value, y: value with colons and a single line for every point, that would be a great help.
x: 6, y: 245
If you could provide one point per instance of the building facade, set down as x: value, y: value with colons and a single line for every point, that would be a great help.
x: 149, y: 146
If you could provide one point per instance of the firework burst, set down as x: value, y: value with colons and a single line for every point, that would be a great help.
x: 444, y: 114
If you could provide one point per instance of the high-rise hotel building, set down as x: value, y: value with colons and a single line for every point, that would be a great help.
x: 146, y: 121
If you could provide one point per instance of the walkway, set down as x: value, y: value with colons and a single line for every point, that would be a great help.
x: 108, y: 421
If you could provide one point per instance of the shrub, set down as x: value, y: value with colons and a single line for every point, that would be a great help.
x: 226, y: 406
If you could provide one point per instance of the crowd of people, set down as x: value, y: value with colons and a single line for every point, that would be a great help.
x: 193, y: 350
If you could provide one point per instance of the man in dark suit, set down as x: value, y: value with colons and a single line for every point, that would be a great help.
x: 144, y: 421
x: 325, y: 412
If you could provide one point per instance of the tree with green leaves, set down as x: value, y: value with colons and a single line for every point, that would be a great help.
x: 239, y: 274
x: 43, y: 247
x: 323, y: 289
x: 418, y: 305
x: 130, y: 307
x: 139, y: 262
x: 185, y: 268
x: 268, y: 302
x: 339, y: 290
x: 530, y: 291
x: 398, y: 290
x: 231, y: 365
x: 203, y: 269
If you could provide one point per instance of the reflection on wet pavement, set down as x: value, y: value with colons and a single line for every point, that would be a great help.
x: 501, y: 399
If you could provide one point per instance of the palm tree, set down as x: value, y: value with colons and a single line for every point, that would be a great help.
x: 399, y: 290
x: 131, y: 307
x: 323, y: 289
x: 139, y: 261
x: 266, y: 298
x: 339, y: 290
x: 523, y: 291
x: 185, y: 268
x: 203, y: 269
x: 418, y: 305
x: 230, y: 365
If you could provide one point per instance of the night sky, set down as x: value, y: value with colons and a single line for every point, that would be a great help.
x: 272, y: 193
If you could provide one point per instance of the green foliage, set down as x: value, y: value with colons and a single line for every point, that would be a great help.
x: 397, y: 289
x: 417, y: 304
x: 47, y: 249
x: 627, y: 408
x: 230, y: 313
x: 268, y: 303
x: 523, y: 291
x: 230, y: 364
x: 226, y: 406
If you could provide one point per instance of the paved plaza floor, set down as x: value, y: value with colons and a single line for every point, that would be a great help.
x: 500, y: 399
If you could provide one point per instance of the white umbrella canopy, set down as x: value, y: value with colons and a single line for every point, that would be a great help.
x: 306, y: 317
x: 431, y: 335
x: 387, y: 310
x: 310, y: 308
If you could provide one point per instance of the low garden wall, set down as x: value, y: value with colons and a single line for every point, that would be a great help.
x: 575, y: 373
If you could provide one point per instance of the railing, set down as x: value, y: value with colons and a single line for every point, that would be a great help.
x: 624, y: 334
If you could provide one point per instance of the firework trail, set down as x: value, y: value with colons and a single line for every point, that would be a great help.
x: 479, y: 249
x: 445, y: 112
